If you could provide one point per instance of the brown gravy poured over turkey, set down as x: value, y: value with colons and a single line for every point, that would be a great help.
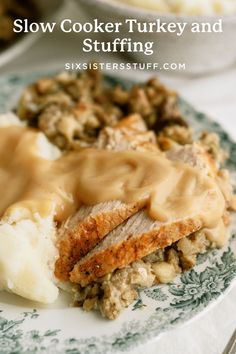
x: 172, y: 190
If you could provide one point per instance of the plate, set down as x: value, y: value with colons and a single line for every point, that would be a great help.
x: 26, y: 327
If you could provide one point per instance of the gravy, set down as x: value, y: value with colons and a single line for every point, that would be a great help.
x: 172, y: 190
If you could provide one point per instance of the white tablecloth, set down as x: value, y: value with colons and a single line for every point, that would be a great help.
x: 215, y: 95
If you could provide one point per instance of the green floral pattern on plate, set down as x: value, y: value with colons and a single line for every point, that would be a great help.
x: 24, y: 330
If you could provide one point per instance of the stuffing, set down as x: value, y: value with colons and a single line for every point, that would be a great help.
x: 211, y: 142
x: 71, y: 110
x: 116, y: 291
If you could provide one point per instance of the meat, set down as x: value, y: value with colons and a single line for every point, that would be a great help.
x: 132, y: 240
x: 129, y: 134
x: 196, y: 156
x: 84, y: 230
x: 140, y: 235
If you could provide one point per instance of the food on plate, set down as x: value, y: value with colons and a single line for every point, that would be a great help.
x: 10, y: 10
x: 109, y: 191
x: 186, y: 7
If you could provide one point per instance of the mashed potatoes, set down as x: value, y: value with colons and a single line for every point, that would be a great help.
x: 188, y: 7
x: 27, y: 240
x: 27, y: 256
